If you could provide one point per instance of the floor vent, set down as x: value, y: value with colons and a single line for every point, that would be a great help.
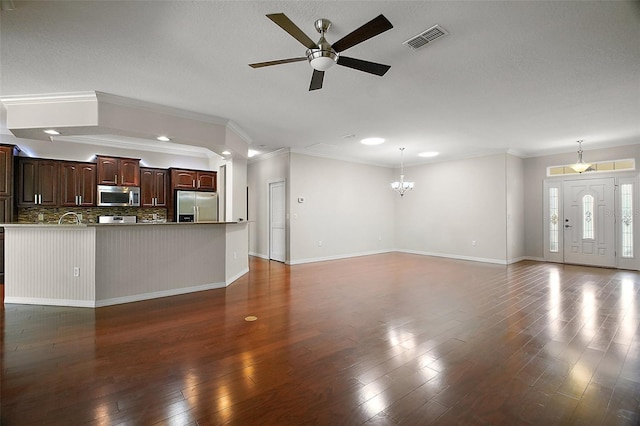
x: 426, y: 37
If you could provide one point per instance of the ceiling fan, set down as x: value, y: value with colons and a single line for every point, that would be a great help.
x: 322, y: 55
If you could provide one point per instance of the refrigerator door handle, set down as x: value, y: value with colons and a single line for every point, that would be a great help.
x: 196, y: 213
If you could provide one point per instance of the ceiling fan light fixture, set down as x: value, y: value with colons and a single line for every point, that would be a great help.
x: 321, y: 60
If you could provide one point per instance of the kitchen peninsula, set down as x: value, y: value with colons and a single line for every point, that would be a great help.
x: 97, y: 265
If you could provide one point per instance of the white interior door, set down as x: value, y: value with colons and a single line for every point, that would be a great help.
x: 589, y: 222
x: 277, y: 219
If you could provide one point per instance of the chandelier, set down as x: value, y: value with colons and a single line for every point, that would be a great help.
x: 402, y: 186
x: 580, y: 166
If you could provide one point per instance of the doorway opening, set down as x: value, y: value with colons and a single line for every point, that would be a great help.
x: 277, y: 221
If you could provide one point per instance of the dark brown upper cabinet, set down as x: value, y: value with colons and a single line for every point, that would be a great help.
x: 153, y: 187
x: 37, y: 182
x: 118, y: 171
x: 193, y: 179
x: 78, y: 184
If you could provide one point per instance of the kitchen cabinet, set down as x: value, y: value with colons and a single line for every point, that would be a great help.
x: 37, y: 182
x: 78, y: 184
x: 153, y: 187
x: 193, y: 179
x: 118, y: 171
x: 6, y: 170
x: 7, y: 155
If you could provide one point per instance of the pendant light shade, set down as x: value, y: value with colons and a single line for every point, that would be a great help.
x: 580, y: 166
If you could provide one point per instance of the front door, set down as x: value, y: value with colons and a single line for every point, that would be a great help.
x: 589, y: 222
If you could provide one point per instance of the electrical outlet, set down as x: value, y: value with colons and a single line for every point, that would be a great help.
x: 379, y: 237
x: 155, y: 216
x: 76, y: 271
x: 473, y: 243
x: 319, y: 243
x: 79, y: 217
x: 40, y: 217
x: 235, y: 255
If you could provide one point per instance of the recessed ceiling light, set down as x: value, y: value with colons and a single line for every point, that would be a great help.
x: 163, y: 139
x: 428, y: 154
x: 372, y: 141
x: 52, y: 132
x: 226, y: 153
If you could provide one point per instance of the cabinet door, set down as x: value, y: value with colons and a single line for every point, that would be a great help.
x: 183, y: 179
x: 48, y: 182
x: 6, y: 174
x: 207, y: 180
x: 160, y: 180
x: 68, y: 184
x: 87, y: 185
x: 27, y: 182
x: 2, y: 257
x: 147, y: 187
x: 129, y: 172
x: 108, y: 171
x: 6, y: 213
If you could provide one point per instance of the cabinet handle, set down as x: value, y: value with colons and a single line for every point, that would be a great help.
x: 39, y: 198
x: 153, y: 201
x: 76, y: 200
x: 193, y: 183
x: 80, y: 198
x: 116, y: 178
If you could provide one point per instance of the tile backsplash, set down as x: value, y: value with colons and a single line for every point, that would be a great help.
x: 89, y: 214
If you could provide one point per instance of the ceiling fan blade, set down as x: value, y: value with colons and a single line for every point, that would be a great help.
x: 316, y: 80
x: 286, y: 24
x: 366, y: 66
x: 372, y: 28
x: 277, y: 62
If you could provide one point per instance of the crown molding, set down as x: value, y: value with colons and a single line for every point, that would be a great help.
x: 48, y: 98
x: 235, y: 128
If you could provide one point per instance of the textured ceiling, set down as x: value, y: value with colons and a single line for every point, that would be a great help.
x: 529, y: 77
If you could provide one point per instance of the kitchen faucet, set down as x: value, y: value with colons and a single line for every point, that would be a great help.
x: 71, y: 214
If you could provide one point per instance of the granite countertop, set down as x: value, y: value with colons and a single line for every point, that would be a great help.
x: 91, y: 225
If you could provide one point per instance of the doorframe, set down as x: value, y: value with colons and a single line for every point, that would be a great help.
x: 632, y: 263
x: 286, y: 231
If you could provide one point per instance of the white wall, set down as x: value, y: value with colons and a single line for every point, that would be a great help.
x: 453, y: 204
x: 535, y: 170
x: 261, y: 172
x: 349, y: 207
x: 515, y: 208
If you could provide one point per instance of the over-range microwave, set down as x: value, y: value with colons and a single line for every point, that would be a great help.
x: 118, y: 196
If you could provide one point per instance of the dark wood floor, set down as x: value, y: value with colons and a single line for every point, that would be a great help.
x: 385, y: 339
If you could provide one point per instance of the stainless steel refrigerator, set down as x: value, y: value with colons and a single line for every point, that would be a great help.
x: 194, y: 206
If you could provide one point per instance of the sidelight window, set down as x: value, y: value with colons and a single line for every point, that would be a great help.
x: 553, y: 220
x: 587, y: 217
x: 626, y: 222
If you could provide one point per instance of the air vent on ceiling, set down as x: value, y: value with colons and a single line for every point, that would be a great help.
x: 426, y: 37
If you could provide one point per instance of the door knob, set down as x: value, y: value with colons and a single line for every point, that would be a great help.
x: 568, y: 226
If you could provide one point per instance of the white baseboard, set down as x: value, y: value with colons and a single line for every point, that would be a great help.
x: 260, y: 255
x: 157, y: 294
x: 455, y: 256
x: 49, y: 302
x: 236, y: 276
x: 336, y: 257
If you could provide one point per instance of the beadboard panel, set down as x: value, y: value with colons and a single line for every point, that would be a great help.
x: 31, y: 275
x: 135, y: 260
x: 237, y: 249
